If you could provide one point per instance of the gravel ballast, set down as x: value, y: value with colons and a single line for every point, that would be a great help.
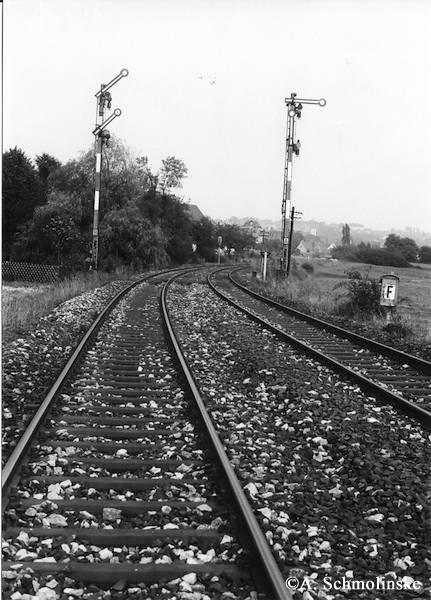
x: 339, y: 482
x: 31, y: 363
x: 51, y: 512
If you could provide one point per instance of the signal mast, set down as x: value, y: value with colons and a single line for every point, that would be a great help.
x: 294, y: 109
x: 102, y: 135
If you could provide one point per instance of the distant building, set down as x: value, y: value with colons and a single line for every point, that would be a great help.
x: 303, y: 248
x: 194, y: 213
x: 253, y: 226
x: 311, y: 247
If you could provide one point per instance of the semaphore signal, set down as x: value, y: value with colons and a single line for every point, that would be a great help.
x: 294, y: 109
x: 102, y: 135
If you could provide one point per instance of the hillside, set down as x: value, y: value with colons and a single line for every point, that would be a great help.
x: 331, y: 232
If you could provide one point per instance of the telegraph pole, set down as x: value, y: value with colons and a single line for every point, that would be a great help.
x: 293, y: 214
x: 294, y: 108
x: 102, y: 135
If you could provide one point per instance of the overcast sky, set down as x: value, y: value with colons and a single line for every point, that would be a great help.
x: 207, y: 84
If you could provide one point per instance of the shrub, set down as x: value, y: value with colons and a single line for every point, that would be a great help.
x: 345, y: 253
x: 296, y: 272
x: 425, y: 254
x: 307, y: 266
x: 381, y: 256
x: 398, y: 329
x: 363, y: 294
x: 372, y: 256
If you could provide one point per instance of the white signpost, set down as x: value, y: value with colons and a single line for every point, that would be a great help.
x: 389, y: 290
x: 389, y: 293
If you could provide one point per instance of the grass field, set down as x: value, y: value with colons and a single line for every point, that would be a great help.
x: 24, y: 303
x: 317, y: 288
x: 414, y: 299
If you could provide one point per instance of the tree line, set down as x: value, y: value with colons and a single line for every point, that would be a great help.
x: 48, y: 212
x: 397, y: 251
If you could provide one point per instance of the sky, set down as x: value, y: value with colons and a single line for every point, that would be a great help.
x: 207, y: 84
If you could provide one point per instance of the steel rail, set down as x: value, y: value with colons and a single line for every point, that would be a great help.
x: 414, y: 361
x: 412, y: 409
x: 259, y: 541
x: 17, y: 457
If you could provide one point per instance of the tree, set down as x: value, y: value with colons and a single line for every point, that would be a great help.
x: 405, y: 247
x: 234, y: 237
x: 345, y: 240
x: 171, y: 173
x: 425, y: 254
x: 22, y: 193
x: 177, y: 226
x: 76, y: 180
x: 53, y: 234
x: 124, y: 179
x: 141, y: 223
x: 170, y: 214
x: 124, y: 176
x: 129, y: 239
x: 297, y: 238
x: 205, y: 238
x: 46, y: 164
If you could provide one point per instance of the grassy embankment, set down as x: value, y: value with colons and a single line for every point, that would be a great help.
x: 24, y: 303
x: 315, y: 286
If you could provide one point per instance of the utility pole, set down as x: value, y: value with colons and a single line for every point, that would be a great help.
x: 294, y: 108
x: 102, y: 135
x: 293, y: 215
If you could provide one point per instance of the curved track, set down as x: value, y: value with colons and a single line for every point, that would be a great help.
x: 121, y: 479
x: 396, y: 377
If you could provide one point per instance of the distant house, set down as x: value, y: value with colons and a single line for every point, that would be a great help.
x: 302, y: 248
x: 194, y: 213
x: 255, y: 228
x: 310, y: 247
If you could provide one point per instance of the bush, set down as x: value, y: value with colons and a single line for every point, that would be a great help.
x: 345, y: 253
x: 381, y: 256
x: 295, y: 272
x: 398, y: 329
x: 363, y: 294
x: 372, y: 256
x: 307, y: 266
x: 425, y: 254
x: 405, y: 247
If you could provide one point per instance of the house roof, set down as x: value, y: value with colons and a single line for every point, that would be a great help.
x: 308, y: 246
x: 252, y: 224
x: 194, y: 212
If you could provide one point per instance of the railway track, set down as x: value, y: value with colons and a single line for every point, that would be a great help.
x: 121, y: 482
x: 394, y: 376
x: 339, y: 481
